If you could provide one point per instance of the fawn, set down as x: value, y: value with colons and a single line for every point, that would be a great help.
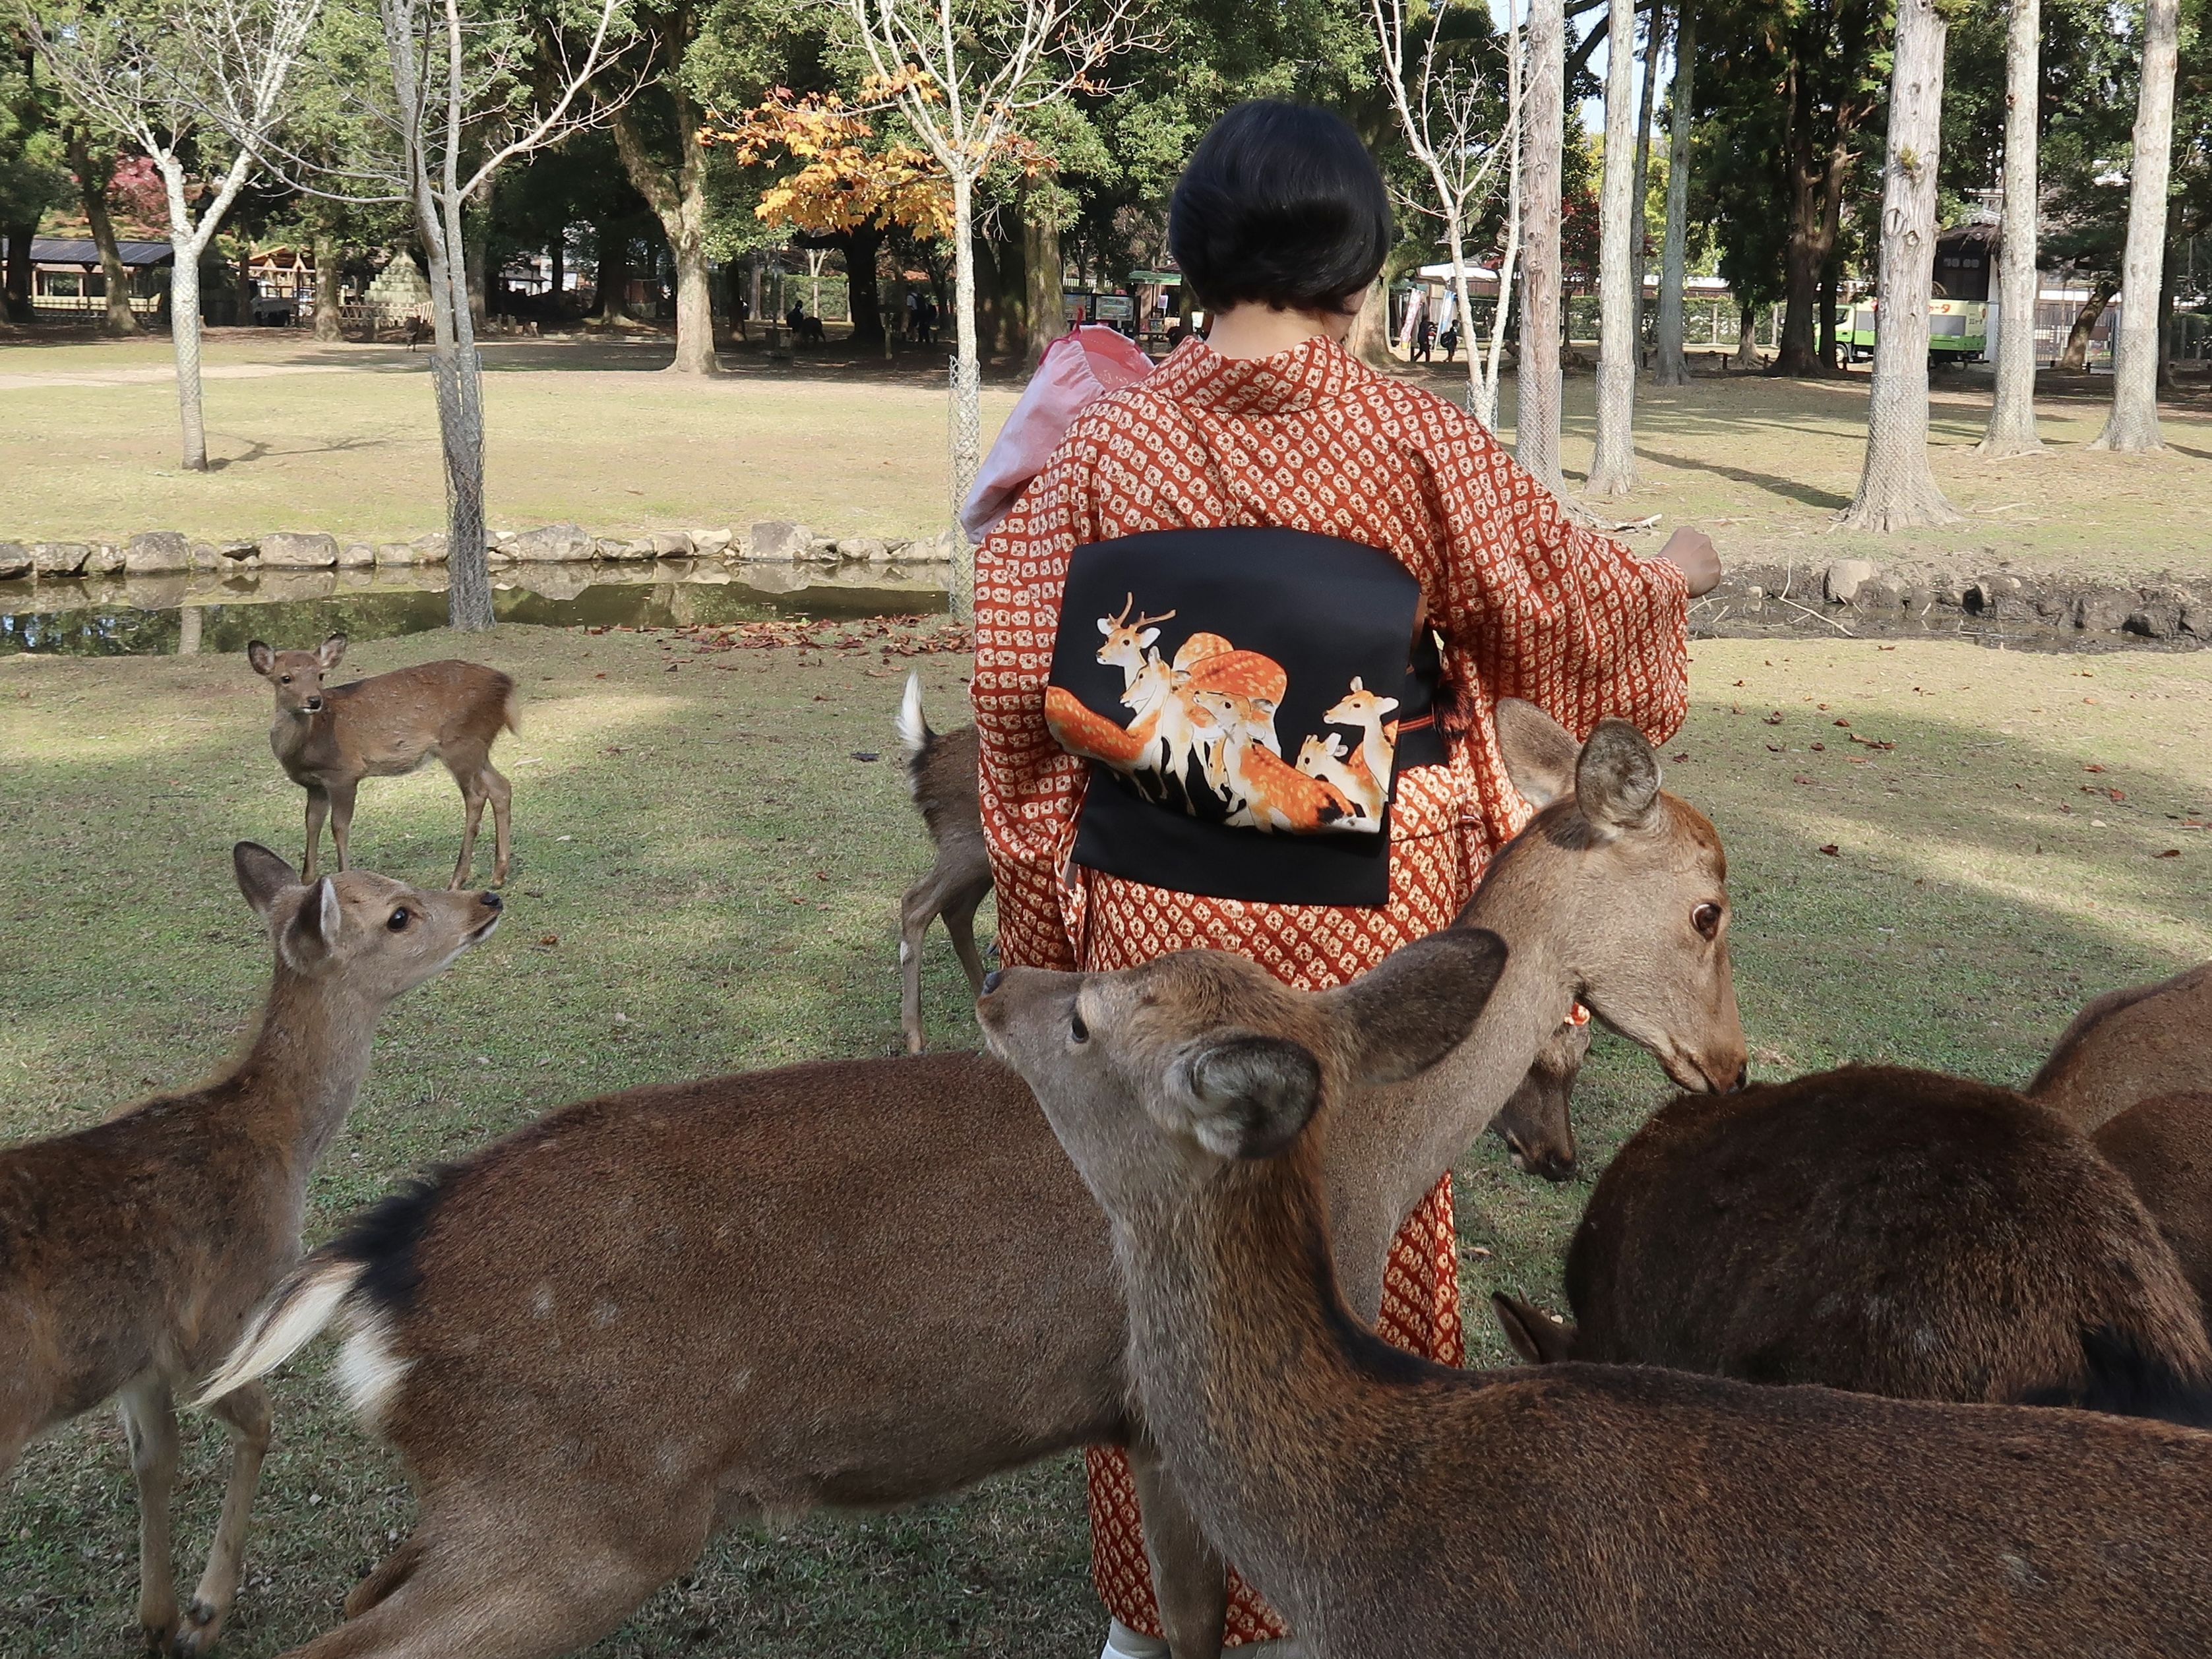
x: 1392, y: 1507
x: 328, y: 740
x: 132, y: 1253
x: 940, y: 773
x: 1885, y: 1230
x: 593, y: 1346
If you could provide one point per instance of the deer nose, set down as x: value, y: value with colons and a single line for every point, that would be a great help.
x: 991, y: 980
x: 314, y: 705
x: 489, y: 900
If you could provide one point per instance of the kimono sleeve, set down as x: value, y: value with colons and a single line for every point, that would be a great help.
x: 1031, y: 787
x: 1539, y: 607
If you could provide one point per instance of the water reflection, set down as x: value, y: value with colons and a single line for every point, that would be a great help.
x: 112, y: 620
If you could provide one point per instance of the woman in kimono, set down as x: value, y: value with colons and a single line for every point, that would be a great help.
x: 1280, y: 223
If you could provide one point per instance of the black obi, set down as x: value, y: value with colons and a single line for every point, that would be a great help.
x: 1246, y: 698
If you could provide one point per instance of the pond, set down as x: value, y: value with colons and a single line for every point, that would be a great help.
x: 174, y: 616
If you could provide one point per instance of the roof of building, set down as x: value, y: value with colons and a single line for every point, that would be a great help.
x: 83, y: 251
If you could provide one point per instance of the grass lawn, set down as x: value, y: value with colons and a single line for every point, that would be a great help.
x: 705, y: 880
x: 343, y: 438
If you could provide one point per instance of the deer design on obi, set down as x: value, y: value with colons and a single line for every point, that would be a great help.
x: 1204, y: 721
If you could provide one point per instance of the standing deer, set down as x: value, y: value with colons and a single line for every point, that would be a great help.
x: 1361, y: 709
x: 132, y: 1253
x: 327, y: 741
x: 940, y: 772
x: 1392, y: 1507
x: 590, y: 1347
x: 1885, y: 1230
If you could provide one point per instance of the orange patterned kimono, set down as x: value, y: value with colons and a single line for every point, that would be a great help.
x: 1527, y: 604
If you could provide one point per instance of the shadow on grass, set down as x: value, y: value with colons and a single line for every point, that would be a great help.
x: 1810, y: 495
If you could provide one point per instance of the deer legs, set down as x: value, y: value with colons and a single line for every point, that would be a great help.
x: 319, y: 808
x: 245, y: 1412
x: 150, y: 1424
x: 1189, y: 1578
x: 481, y: 782
x: 952, y: 889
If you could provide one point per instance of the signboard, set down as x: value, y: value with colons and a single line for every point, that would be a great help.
x: 1115, y: 308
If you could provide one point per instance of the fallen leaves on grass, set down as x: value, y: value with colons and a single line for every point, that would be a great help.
x: 2170, y: 853
x: 1833, y: 850
x: 894, y: 636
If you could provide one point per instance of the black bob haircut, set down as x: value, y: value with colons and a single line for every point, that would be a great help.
x: 1282, y: 204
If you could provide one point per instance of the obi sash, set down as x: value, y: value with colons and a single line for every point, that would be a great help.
x: 1246, y: 698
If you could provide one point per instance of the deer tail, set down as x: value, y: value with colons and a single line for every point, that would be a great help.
x: 913, y: 733
x: 306, y: 1300
x: 511, y: 711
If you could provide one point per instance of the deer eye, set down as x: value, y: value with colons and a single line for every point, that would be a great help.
x: 1077, y: 1030
x: 400, y: 920
x: 1706, y: 919
x: 286, y: 678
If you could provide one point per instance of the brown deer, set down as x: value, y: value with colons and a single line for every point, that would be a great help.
x: 1394, y: 1507
x: 1536, y: 1124
x: 1885, y: 1230
x: 132, y: 1253
x: 864, y: 1283
x: 940, y: 772
x: 2164, y: 1147
x: 328, y: 740
x: 2129, y: 1045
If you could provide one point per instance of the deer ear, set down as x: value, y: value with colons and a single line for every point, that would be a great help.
x: 261, y: 874
x: 312, y: 933
x: 1404, y: 1015
x: 1535, y: 1335
x: 1539, y: 752
x: 331, y: 650
x: 262, y: 657
x: 1246, y: 1096
x: 1617, y: 779
x: 1105, y: 626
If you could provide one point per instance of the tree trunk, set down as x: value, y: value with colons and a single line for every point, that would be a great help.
x: 863, y: 297
x: 19, y: 271
x: 1516, y: 111
x: 185, y: 344
x: 1370, y: 339
x: 245, y: 296
x: 329, y: 318
x: 1536, y: 421
x: 611, y: 297
x: 1655, y: 47
x: 1747, y: 336
x: 1674, y: 264
x: 457, y: 377
x: 92, y: 190
x: 2075, y: 359
x: 1831, y: 290
x: 475, y: 248
x: 1816, y: 200
x: 967, y: 390
x: 1897, y: 490
x: 1047, y: 307
x: 2012, y: 417
x: 2132, y: 427
x: 679, y: 201
x: 1612, y: 465
x: 556, y: 269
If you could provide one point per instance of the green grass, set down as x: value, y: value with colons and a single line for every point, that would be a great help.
x: 343, y: 438
x: 700, y: 854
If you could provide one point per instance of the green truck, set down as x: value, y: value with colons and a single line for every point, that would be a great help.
x: 1957, y: 330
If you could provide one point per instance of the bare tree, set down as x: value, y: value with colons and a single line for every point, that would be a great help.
x: 2133, y: 424
x: 2012, y: 417
x: 1896, y: 490
x: 196, y: 79
x: 962, y: 72
x: 1612, y: 465
x: 1445, y: 114
x: 1654, y: 48
x: 1536, y: 421
x: 1674, y: 260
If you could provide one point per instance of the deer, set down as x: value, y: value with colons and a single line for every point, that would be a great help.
x: 1362, y: 709
x: 1391, y: 1506
x: 1322, y: 759
x: 612, y: 1290
x: 328, y: 740
x: 1128, y: 644
x: 1885, y: 1230
x: 2163, y: 1146
x: 941, y: 776
x: 2129, y: 1045
x: 1536, y: 1124
x: 133, y: 1252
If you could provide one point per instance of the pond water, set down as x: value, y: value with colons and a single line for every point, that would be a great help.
x: 173, y: 616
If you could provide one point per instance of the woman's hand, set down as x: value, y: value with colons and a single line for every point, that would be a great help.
x: 1694, y: 551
